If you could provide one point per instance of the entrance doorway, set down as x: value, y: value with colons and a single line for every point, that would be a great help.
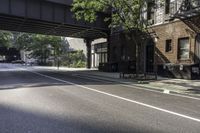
x: 197, y: 49
x: 150, y: 58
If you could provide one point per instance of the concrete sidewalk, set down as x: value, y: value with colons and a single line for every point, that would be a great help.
x: 189, y: 87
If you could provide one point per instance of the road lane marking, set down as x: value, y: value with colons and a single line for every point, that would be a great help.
x: 140, y: 88
x: 121, y: 98
x: 99, y: 80
x: 137, y: 87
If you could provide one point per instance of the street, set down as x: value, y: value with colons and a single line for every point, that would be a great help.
x: 44, y: 101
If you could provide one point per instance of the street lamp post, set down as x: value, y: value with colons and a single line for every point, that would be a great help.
x: 58, y: 58
x: 155, y: 62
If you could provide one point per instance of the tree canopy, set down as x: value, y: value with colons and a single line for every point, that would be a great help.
x: 5, y: 39
x: 40, y: 46
x: 124, y: 13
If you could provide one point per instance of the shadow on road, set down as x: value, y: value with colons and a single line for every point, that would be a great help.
x: 23, y: 79
x: 27, y: 85
x: 14, y: 120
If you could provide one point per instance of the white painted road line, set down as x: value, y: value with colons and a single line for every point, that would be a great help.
x: 177, y: 95
x: 122, y: 98
x: 140, y: 88
x: 99, y: 80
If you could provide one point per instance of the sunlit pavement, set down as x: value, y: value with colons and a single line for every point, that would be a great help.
x: 33, y: 101
x: 170, y: 85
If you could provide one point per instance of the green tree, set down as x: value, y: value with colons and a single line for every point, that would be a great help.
x: 24, y: 41
x: 74, y: 59
x: 124, y: 13
x: 40, y: 46
x: 43, y: 46
x: 6, y: 39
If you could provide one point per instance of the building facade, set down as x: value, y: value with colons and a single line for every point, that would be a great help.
x: 99, y: 53
x: 173, y: 48
x: 176, y: 25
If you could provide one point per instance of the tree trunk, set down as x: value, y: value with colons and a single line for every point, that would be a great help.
x: 133, y: 35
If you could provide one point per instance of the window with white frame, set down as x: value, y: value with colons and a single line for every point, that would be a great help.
x: 183, y: 48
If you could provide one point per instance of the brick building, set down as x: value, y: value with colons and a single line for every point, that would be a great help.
x: 174, y: 47
x: 177, y: 37
x: 123, y: 49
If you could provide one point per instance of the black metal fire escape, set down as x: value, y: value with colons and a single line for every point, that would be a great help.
x: 188, y: 11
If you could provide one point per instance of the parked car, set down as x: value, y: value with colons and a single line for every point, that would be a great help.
x: 18, y: 62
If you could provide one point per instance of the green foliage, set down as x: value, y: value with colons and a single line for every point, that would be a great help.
x: 74, y: 59
x: 40, y: 46
x: 5, y: 39
x: 24, y: 41
x: 45, y: 46
x: 124, y: 13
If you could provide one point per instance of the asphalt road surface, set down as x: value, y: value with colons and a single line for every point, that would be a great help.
x: 43, y: 101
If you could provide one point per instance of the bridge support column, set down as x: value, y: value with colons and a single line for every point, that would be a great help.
x: 88, y: 45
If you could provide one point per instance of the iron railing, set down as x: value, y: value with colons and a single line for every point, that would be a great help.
x: 184, y: 8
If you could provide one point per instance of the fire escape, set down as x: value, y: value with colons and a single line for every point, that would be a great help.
x: 188, y: 11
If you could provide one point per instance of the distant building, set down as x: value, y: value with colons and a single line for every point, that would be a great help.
x: 98, y: 50
x: 25, y: 56
x: 99, y: 53
x: 75, y: 44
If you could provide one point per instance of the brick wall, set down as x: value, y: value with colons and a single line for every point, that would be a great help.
x: 121, y: 45
x: 173, y: 30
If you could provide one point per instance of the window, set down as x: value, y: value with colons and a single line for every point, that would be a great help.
x: 183, y: 48
x: 92, y: 48
x: 106, y: 57
x: 168, y: 45
x: 123, y: 52
x: 167, y: 6
x: 150, y: 10
x: 103, y: 57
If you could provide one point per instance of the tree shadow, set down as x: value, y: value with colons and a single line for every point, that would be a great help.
x: 22, y: 86
x: 26, y: 80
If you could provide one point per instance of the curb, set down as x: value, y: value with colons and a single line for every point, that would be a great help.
x: 139, y: 85
x: 133, y: 83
